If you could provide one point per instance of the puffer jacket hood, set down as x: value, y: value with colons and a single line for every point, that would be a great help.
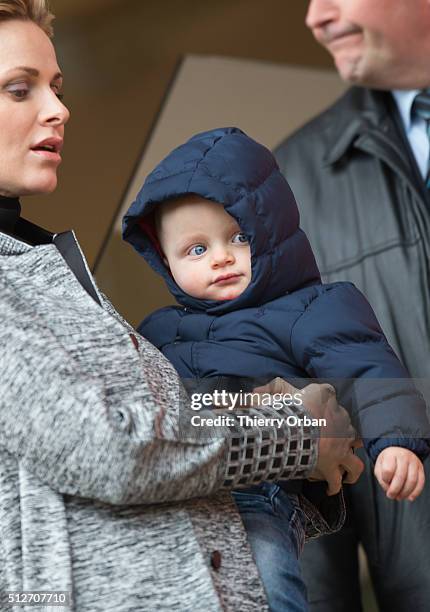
x: 228, y: 167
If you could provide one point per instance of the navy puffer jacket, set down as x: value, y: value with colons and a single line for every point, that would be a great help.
x: 286, y: 323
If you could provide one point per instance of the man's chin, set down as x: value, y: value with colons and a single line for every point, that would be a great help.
x: 350, y: 70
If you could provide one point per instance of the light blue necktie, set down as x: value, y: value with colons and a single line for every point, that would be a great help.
x: 421, y: 108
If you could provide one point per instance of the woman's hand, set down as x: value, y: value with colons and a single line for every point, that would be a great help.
x: 336, y: 460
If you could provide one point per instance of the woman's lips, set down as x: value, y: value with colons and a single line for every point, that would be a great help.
x: 226, y: 279
x: 48, y: 155
x: 49, y: 148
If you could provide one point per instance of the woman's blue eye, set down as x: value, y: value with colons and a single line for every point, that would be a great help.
x: 240, y: 237
x: 199, y: 249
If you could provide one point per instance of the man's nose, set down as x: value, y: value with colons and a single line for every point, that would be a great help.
x: 321, y: 12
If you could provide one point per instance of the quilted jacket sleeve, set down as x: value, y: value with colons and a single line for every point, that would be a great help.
x: 61, y: 423
x: 338, y: 339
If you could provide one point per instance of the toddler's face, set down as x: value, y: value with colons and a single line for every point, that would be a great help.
x: 208, y: 256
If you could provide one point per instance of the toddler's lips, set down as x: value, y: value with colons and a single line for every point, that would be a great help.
x: 226, y: 279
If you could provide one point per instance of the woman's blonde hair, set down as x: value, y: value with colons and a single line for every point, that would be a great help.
x: 28, y: 10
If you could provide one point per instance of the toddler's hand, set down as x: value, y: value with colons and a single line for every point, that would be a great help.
x: 400, y: 473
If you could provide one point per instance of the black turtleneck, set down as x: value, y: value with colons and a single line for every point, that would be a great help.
x: 10, y: 210
x: 13, y: 224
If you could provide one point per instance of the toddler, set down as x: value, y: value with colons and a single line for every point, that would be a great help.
x: 219, y: 222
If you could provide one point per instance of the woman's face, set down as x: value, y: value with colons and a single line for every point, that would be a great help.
x: 32, y: 116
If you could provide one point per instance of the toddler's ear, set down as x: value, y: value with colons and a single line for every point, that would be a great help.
x: 165, y: 262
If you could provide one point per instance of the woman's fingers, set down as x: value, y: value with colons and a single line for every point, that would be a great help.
x: 334, y: 482
x: 353, y: 467
x: 277, y: 385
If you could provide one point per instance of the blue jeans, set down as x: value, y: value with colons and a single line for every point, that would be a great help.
x: 275, y: 527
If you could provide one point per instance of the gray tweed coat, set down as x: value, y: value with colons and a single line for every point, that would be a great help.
x: 100, y: 495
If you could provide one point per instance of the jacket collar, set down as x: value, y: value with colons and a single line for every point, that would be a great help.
x: 65, y: 243
x: 17, y: 229
x: 359, y: 111
x: 12, y: 246
x: 369, y: 120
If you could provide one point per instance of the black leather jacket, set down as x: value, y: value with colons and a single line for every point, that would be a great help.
x: 365, y: 209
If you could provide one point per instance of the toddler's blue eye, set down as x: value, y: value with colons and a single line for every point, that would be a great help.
x: 199, y: 249
x: 239, y: 238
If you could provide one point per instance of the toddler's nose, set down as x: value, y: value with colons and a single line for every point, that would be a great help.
x: 222, y: 257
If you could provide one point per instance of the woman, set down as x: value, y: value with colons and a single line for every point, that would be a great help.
x: 89, y: 412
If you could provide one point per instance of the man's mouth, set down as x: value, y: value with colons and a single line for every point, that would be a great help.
x: 331, y: 34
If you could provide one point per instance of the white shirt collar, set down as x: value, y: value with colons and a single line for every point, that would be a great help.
x: 404, y: 100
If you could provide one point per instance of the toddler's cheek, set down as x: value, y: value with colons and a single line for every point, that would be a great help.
x: 192, y: 283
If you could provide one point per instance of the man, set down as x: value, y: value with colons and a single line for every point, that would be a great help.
x: 359, y: 173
